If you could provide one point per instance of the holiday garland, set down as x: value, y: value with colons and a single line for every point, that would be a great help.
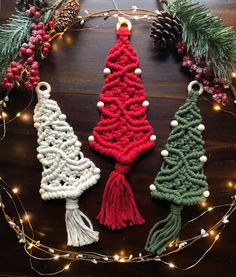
x: 205, y: 35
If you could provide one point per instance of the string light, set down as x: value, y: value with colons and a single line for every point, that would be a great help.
x: 56, y: 257
x: 116, y: 257
x: 15, y: 190
x: 171, y: 265
x: 230, y: 184
x: 18, y: 114
x: 210, y: 209
x: 233, y: 74
x: 212, y: 232
x: 67, y: 267
x: 4, y: 115
x: 217, y: 107
x: 203, y: 204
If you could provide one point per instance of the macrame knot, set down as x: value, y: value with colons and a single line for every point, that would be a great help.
x: 123, y: 31
x: 122, y: 168
x: 72, y: 204
x: 176, y: 210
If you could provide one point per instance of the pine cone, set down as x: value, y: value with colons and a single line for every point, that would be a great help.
x: 67, y: 15
x: 165, y: 30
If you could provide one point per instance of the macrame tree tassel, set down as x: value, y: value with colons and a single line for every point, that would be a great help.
x: 123, y: 131
x: 78, y: 226
x: 181, y: 180
x: 165, y: 231
x: 118, y: 203
x: 66, y: 172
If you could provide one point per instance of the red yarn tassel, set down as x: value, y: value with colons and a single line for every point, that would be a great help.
x: 119, y: 209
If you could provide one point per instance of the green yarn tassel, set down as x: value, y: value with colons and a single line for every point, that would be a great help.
x: 164, y: 231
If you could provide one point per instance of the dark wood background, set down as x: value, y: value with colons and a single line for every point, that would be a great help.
x: 74, y: 70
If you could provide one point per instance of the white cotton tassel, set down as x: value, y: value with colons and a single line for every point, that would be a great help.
x: 78, y: 226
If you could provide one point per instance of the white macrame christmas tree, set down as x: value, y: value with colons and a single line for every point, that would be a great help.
x: 66, y: 172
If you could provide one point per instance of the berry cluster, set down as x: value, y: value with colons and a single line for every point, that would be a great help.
x: 24, y: 5
x: 26, y: 69
x: 13, y: 75
x: 202, y: 72
x: 32, y: 12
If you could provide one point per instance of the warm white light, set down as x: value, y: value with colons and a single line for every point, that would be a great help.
x: 217, y: 237
x: 217, y: 107
x: 210, y: 209
x: 18, y: 114
x: 15, y: 190
x: 171, y: 265
x: 67, y: 267
x: 56, y: 257
x: 30, y: 246
x: 116, y: 257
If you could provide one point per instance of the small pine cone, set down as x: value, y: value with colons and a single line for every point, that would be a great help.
x: 67, y: 15
x: 165, y: 30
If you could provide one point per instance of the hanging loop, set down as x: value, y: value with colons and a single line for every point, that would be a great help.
x: 196, y: 83
x: 41, y: 85
x: 123, y: 22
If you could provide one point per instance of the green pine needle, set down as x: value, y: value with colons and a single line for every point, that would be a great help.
x: 12, y: 34
x: 206, y: 36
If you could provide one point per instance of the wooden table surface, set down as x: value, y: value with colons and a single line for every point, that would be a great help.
x: 74, y: 70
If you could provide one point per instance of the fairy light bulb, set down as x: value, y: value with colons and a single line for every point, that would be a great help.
x: 15, y: 190
x: 171, y: 265
x: 203, y: 204
x: 67, y: 267
x: 4, y: 115
x: 212, y: 233
x: 230, y: 184
x: 233, y: 74
x: 116, y: 257
x: 18, y: 114
x: 210, y: 209
x: 56, y: 257
x: 217, y: 107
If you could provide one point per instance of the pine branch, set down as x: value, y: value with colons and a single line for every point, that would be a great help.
x: 12, y: 34
x: 206, y: 36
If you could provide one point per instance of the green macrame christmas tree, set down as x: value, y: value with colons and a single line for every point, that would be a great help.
x: 181, y: 180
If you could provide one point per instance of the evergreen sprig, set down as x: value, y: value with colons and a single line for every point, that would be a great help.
x: 12, y: 35
x: 206, y: 36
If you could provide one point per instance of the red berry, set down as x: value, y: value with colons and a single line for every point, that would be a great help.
x: 30, y: 60
x: 41, y: 32
x: 34, y: 26
x: 40, y: 25
x: 198, y: 77
x: 35, y: 65
x: 13, y: 64
x: 5, y: 80
x: 32, y: 10
x: 25, y: 45
x: 34, y: 72
x: 10, y: 76
x: 14, y: 70
x: 32, y: 47
x: 47, y: 44
x: 51, y: 25
x: 35, y: 84
x: 17, y: 77
x: 34, y: 40
x: 37, y: 14
x: 32, y: 80
x: 45, y: 50
x: 28, y: 85
x: 28, y: 13
x: 39, y: 37
x: 8, y: 85
x: 23, y: 50
x: 29, y: 52
x: 46, y: 37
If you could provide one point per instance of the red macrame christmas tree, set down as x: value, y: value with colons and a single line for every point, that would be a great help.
x: 123, y: 131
